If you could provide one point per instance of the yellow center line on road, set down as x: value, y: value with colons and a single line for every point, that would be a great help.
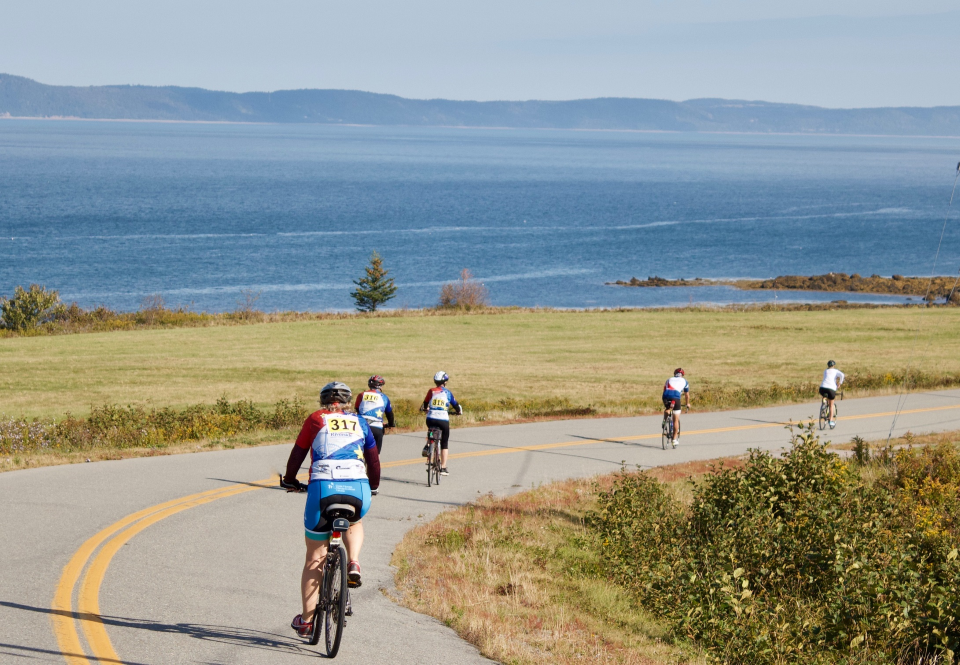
x: 116, y: 535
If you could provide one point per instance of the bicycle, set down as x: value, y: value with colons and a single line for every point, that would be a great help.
x: 667, y: 427
x: 825, y: 410
x: 333, y: 597
x: 433, y: 456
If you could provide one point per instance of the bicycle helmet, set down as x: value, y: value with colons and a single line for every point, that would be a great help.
x: 440, y: 378
x: 335, y: 392
x: 679, y: 372
x: 375, y: 381
x: 830, y: 363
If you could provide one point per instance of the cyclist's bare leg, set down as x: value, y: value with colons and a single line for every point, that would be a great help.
x: 310, y: 579
x: 353, y: 540
x: 832, y: 413
x: 676, y: 425
x: 443, y: 458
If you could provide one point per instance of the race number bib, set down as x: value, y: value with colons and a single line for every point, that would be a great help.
x: 341, y: 425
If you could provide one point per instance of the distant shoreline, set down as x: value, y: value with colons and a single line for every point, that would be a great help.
x: 472, y: 127
x: 896, y: 285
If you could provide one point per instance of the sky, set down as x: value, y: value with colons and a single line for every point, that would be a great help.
x: 833, y: 53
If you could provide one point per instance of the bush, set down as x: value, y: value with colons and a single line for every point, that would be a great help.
x: 30, y: 308
x: 797, y: 559
x: 465, y: 293
x: 113, y: 426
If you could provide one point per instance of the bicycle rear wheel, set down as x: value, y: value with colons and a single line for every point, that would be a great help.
x: 432, y: 444
x: 336, y: 607
x: 665, y: 439
x: 436, y: 463
x: 824, y: 413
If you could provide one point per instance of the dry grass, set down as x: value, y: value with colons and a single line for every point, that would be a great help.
x: 614, y: 361
x: 520, y: 578
x: 908, y: 439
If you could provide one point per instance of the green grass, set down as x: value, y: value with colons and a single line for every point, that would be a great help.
x: 599, y: 358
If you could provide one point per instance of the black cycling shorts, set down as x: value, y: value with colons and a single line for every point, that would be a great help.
x: 672, y: 403
x: 829, y: 394
x: 444, y: 427
x: 378, y: 437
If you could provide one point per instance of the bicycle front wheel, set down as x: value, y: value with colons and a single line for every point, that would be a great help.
x: 336, y: 607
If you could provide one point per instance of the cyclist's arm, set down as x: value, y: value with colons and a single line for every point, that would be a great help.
x: 455, y: 404
x: 388, y: 412
x: 301, y: 447
x: 372, y: 458
x: 426, y: 401
x: 356, y: 404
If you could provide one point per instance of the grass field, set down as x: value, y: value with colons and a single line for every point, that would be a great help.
x: 612, y: 360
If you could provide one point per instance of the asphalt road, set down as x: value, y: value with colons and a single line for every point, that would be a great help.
x: 215, y: 579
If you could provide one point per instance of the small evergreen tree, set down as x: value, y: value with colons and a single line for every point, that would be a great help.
x: 375, y: 288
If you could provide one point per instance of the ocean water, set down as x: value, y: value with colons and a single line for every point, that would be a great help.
x: 113, y: 212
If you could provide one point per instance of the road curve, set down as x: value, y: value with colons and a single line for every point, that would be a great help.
x: 188, y: 559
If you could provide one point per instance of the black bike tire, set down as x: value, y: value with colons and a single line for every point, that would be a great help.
x: 436, y: 465
x: 335, y: 615
x: 318, y: 613
x: 665, y: 438
x: 823, y: 418
x: 432, y: 445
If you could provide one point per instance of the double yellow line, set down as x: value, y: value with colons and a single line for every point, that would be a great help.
x: 108, y: 542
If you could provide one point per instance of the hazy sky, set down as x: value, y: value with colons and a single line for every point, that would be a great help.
x: 837, y: 53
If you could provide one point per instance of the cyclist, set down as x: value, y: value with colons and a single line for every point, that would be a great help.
x: 437, y: 404
x: 373, y: 405
x: 673, y: 391
x: 344, y: 468
x: 832, y: 380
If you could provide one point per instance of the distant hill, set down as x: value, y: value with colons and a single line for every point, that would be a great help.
x: 23, y: 97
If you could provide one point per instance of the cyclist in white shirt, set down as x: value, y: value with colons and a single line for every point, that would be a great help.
x: 832, y: 380
x: 673, y: 390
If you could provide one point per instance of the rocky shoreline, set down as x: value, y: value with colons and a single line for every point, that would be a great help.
x: 939, y: 288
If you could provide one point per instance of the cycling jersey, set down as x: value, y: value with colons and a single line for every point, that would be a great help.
x: 336, y: 442
x: 832, y: 379
x: 675, y: 387
x: 373, y: 405
x: 437, y: 401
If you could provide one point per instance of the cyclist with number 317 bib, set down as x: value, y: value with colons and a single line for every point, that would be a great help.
x: 437, y: 404
x: 344, y: 469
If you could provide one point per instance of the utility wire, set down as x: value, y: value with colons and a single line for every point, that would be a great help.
x: 902, y: 397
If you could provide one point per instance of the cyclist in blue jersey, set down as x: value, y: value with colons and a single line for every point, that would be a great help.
x: 437, y: 404
x: 344, y: 468
x: 373, y: 406
x: 673, y: 390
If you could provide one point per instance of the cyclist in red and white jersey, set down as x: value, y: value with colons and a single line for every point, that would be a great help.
x: 437, y: 404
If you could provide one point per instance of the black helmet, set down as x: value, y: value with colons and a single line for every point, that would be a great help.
x: 830, y: 363
x: 335, y: 392
x: 375, y: 381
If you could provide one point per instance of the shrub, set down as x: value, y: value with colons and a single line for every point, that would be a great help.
x: 465, y: 293
x: 796, y: 559
x: 29, y: 308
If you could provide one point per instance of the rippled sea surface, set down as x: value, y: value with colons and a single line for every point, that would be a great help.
x: 113, y: 212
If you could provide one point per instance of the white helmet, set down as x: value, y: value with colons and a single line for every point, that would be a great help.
x: 440, y: 377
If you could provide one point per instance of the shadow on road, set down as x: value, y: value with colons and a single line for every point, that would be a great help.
x: 243, y: 637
